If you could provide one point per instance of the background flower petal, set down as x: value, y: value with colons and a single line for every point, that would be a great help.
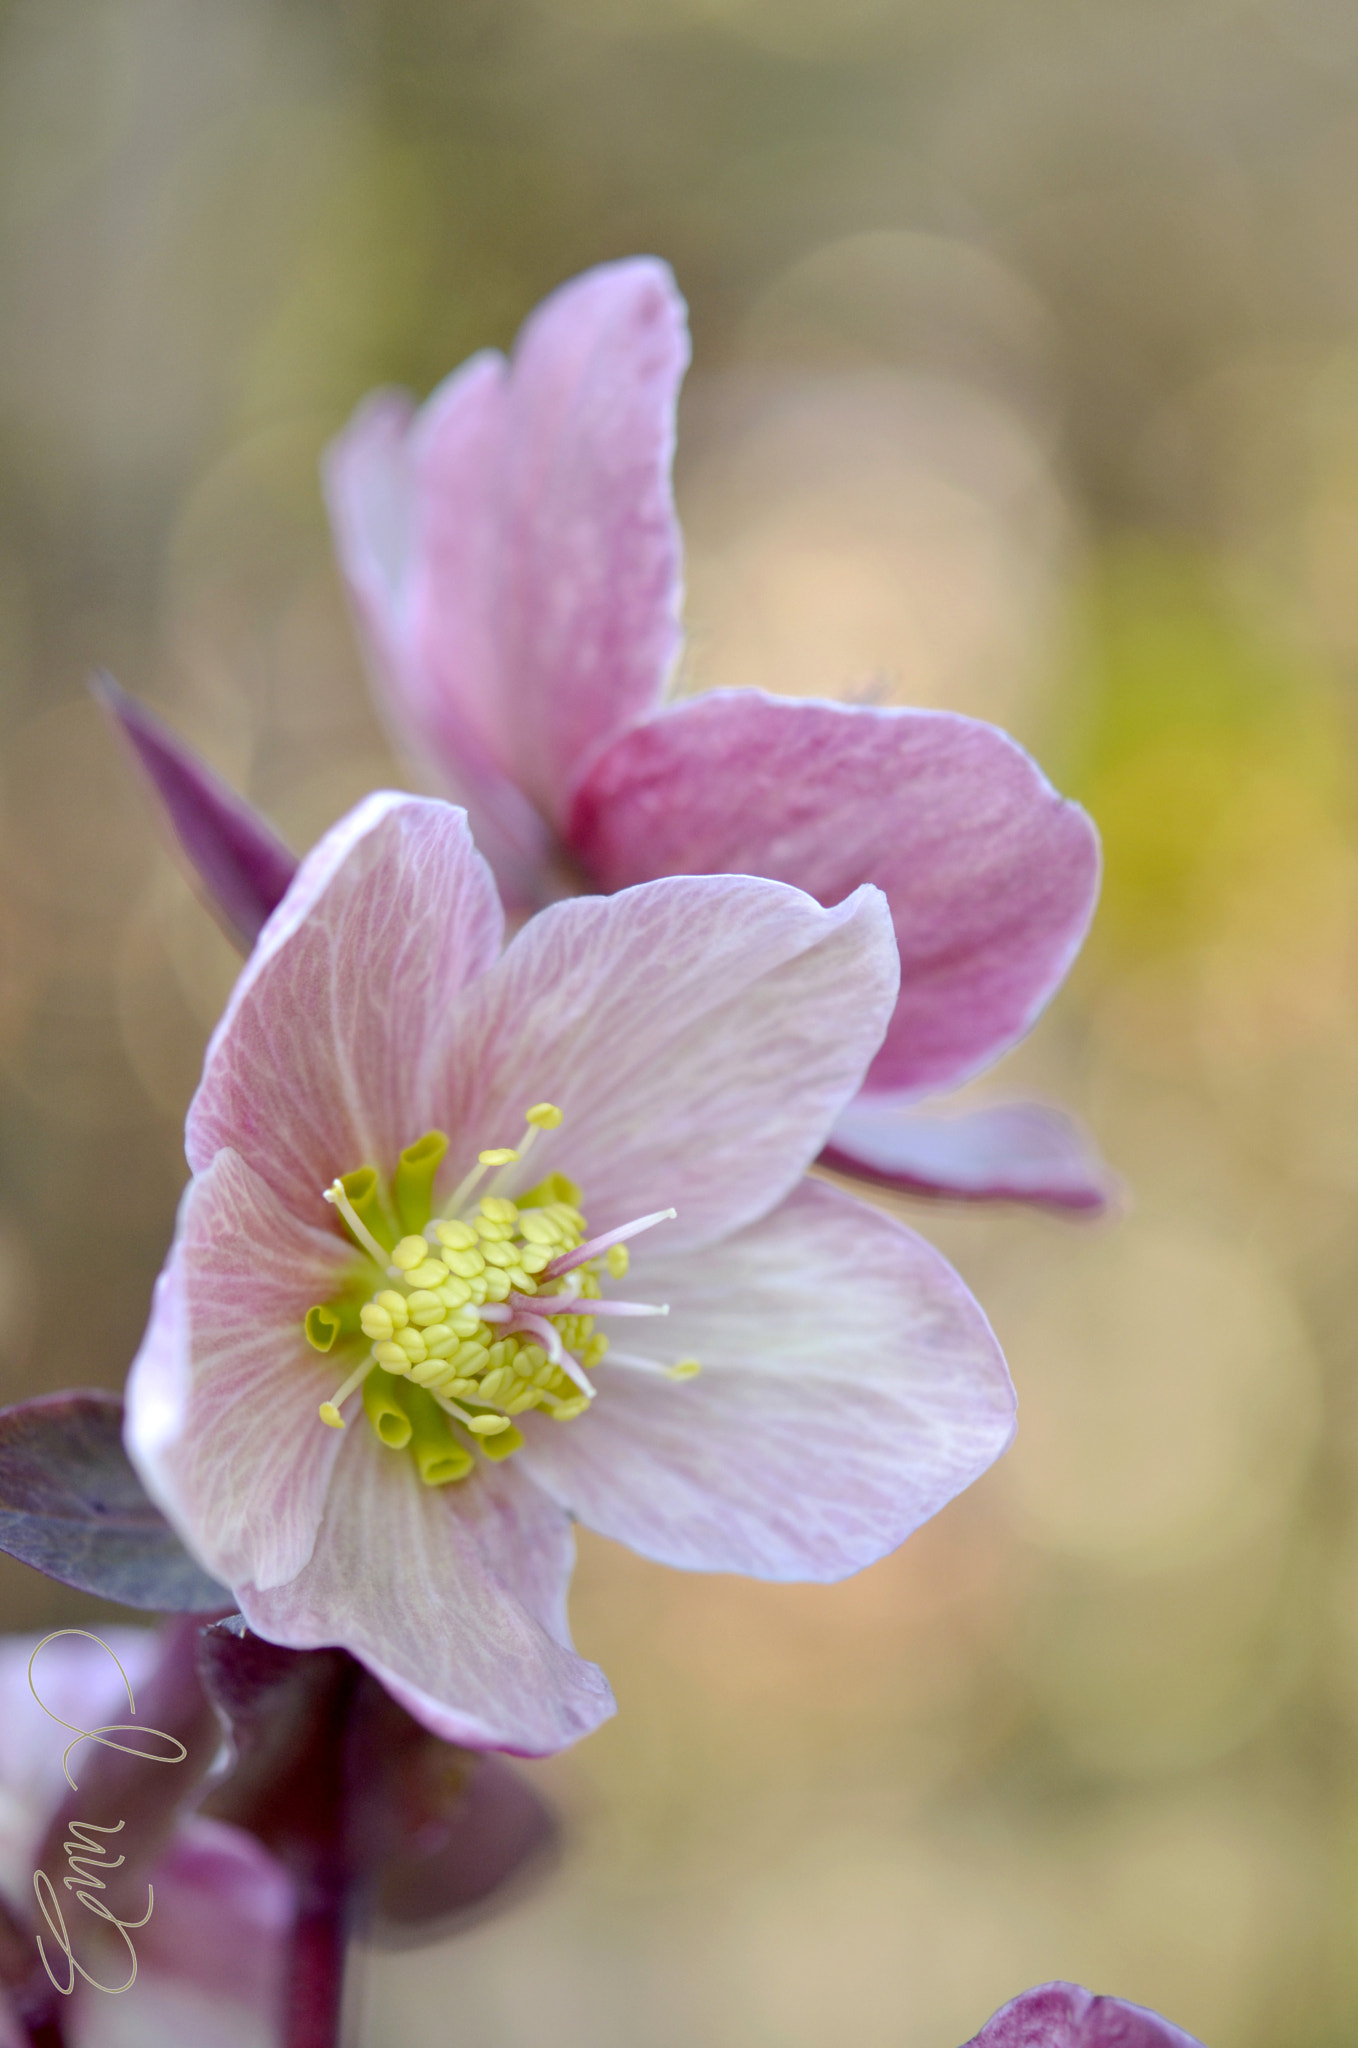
x: 212, y: 1958
x: 512, y: 548
x: 223, y: 1394
x: 1004, y: 1152
x: 407, y: 539
x: 319, y: 1062
x: 992, y: 877
x: 1066, y: 2016
x: 454, y: 1597
x: 699, y: 1034
x: 850, y: 1387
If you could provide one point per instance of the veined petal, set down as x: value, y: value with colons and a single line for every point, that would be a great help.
x: 321, y: 1060
x: 512, y: 548
x: 699, y: 1034
x: 222, y: 1396
x: 1005, y: 1152
x: 850, y: 1386
x: 991, y: 876
x: 1066, y: 2016
x: 402, y: 541
x: 454, y: 1597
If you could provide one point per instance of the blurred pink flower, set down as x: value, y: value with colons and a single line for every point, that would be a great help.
x: 515, y: 561
x: 211, y: 1960
x: 1065, y: 2016
x: 823, y: 1382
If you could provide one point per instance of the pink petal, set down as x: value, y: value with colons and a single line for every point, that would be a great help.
x: 454, y: 1597
x: 700, y: 1035
x: 212, y: 1958
x: 319, y: 1063
x: 850, y: 1387
x: 438, y: 679
x: 992, y: 877
x: 1007, y: 1152
x: 513, y: 550
x: 1065, y: 2016
x: 222, y: 1398
x: 78, y: 1681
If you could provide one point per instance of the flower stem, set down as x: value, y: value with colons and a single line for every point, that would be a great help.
x: 315, y: 1993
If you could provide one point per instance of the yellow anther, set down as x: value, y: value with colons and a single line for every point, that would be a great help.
x: 534, y: 1257
x: 497, y: 1284
x: 395, y: 1306
x: 545, y: 1115
x: 538, y: 1228
x: 452, y: 1292
x: 466, y: 1265
x: 566, y: 1411
x: 503, y: 1155
x: 503, y: 1255
x: 331, y: 1416
x: 496, y: 1209
x: 617, y: 1260
x: 409, y: 1253
x: 392, y: 1356
x: 455, y: 1237
x: 376, y: 1323
x: 432, y: 1273
x: 439, y: 1341
x: 488, y: 1425
x: 424, y: 1307
x: 411, y: 1341
x: 684, y: 1368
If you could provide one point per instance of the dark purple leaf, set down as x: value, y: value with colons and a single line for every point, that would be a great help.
x: 240, y: 863
x: 72, y: 1506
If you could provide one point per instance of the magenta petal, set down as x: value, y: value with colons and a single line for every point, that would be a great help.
x: 513, y: 549
x: 223, y: 1395
x: 1006, y: 1152
x: 992, y: 877
x: 699, y: 1035
x: 242, y: 866
x: 321, y: 1061
x: 454, y: 1597
x: 1066, y: 2016
x: 850, y: 1387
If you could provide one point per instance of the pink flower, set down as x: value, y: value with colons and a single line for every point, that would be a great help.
x: 513, y: 555
x: 1065, y: 2016
x: 212, y: 1958
x: 364, y: 1211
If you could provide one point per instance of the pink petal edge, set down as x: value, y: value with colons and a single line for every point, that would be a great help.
x: 454, y: 1597
x: 1061, y: 2015
x: 1003, y: 1152
x: 991, y: 876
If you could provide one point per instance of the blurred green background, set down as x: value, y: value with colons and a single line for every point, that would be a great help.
x: 1026, y: 382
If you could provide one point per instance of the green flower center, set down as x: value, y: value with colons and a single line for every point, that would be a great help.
x: 479, y: 1314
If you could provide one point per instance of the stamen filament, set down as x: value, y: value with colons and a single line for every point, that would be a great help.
x: 330, y: 1410
x: 479, y: 1425
x: 505, y: 1155
x: 335, y: 1193
x: 566, y: 1262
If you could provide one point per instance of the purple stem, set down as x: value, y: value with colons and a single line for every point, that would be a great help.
x: 315, y: 1995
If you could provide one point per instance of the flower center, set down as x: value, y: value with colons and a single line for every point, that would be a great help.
x: 483, y: 1311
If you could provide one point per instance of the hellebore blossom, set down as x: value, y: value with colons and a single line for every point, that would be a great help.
x: 512, y: 553
x: 391, y: 1355
x: 211, y: 1959
x: 1066, y: 2016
